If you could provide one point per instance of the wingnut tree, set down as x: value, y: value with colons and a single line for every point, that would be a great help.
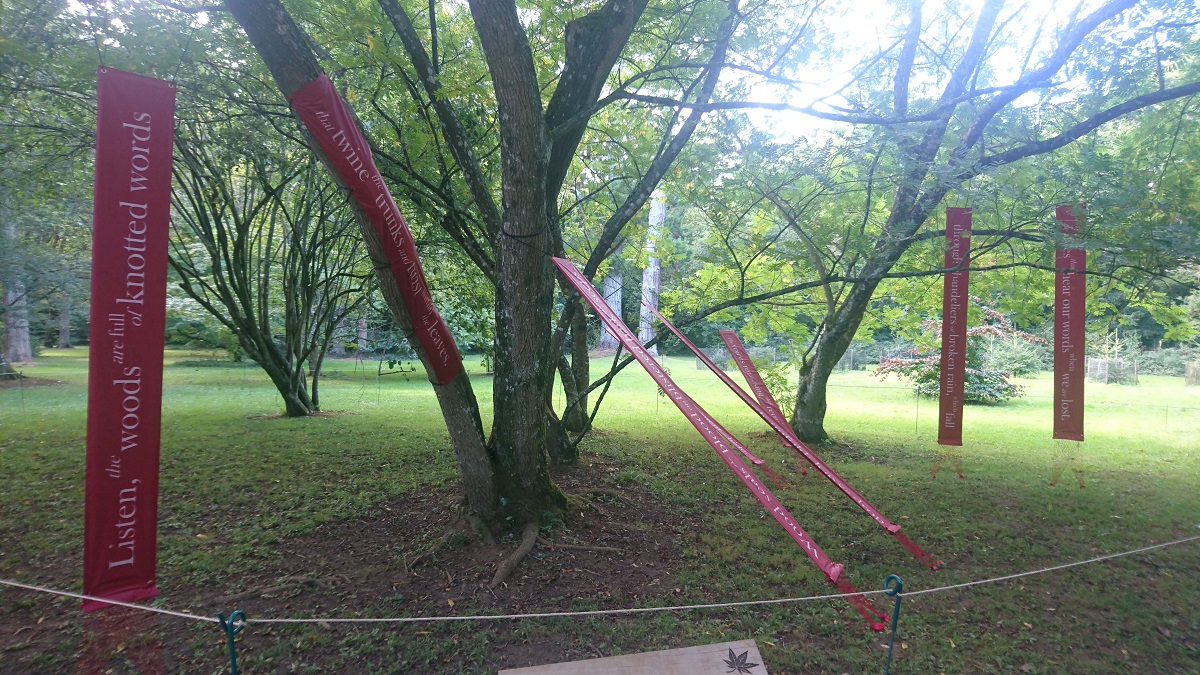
x: 946, y: 100
x: 477, y: 115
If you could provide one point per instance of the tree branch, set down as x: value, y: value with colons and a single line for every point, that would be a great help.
x: 452, y: 128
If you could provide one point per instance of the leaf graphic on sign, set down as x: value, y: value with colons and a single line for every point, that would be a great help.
x: 739, y: 662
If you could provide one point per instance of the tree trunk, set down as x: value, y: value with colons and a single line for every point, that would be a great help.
x: 525, y: 281
x: 16, y: 306
x: 364, y: 336
x: 834, y: 339
x: 285, y: 375
x: 64, y: 324
x: 575, y: 417
x: 16, y: 322
x: 612, y: 297
x: 652, y: 275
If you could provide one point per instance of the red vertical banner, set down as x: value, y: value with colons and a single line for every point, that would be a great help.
x: 135, y: 127
x: 1070, y: 292
x: 329, y: 121
x: 954, y: 327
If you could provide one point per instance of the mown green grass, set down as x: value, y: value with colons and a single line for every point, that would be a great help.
x: 237, y: 482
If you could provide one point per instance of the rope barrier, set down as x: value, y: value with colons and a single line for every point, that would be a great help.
x: 80, y: 596
x: 1052, y: 569
x: 613, y: 612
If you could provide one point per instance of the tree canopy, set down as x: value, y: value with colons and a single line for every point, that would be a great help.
x: 511, y: 132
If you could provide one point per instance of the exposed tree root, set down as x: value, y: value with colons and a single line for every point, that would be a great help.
x: 424, y: 557
x: 579, y: 503
x: 528, y: 539
x: 615, y: 494
x: 288, y: 584
x: 483, y: 530
x: 578, y: 547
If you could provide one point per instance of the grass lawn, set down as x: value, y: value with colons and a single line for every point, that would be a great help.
x: 350, y: 514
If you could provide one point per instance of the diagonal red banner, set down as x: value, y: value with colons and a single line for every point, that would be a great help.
x: 329, y: 121
x: 135, y: 126
x: 708, y: 428
x: 1070, y: 315
x: 767, y: 408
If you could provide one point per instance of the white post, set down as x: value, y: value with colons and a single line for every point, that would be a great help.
x: 652, y: 275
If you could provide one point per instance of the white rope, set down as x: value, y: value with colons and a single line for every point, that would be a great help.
x: 51, y: 591
x: 430, y: 619
x: 1051, y: 569
x: 613, y: 612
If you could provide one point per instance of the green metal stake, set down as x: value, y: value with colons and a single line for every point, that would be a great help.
x: 235, y: 625
x: 895, y: 592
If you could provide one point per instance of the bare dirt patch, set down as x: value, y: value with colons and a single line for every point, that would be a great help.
x: 420, y: 558
x: 415, y: 556
x: 27, y: 382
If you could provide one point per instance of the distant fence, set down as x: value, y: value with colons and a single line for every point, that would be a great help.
x: 1112, y: 371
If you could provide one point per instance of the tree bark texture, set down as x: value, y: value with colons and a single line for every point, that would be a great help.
x: 652, y: 275
x: 16, y: 323
x: 64, y: 323
x: 524, y: 277
x: 18, y: 347
x: 613, y: 292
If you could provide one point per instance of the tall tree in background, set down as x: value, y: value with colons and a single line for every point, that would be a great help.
x: 613, y: 294
x: 652, y: 274
x: 943, y: 106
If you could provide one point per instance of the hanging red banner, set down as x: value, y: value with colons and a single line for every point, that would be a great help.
x: 1070, y: 293
x: 711, y: 431
x: 954, y: 327
x: 135, y: 126
x: 329, y: 121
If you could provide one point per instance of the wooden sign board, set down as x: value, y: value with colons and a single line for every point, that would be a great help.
x: 724, y: 658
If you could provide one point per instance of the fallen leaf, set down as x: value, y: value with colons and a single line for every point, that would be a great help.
x: 952, y: 645
x: 1027, y: 625
x: 1026, y: 668
x: 1166, y: 632
x: 450, y: 602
